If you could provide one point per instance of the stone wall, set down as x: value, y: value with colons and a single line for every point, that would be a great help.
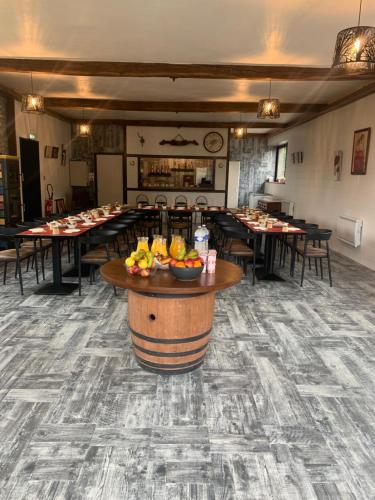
x: 107, y: 138
x: 3, y: 131
x: 257, y: 163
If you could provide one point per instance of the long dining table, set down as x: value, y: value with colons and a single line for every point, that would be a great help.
x: 58, y: 286
x: 271, y: 235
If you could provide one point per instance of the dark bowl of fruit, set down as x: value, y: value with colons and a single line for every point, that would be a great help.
x: 188, y: 269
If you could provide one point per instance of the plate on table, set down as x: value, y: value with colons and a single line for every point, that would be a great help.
x: 69, y: 231
x: 240, y: 215
x: 100, y: 219
x: 148, y: 207
x: 180, y: 208
x: 293, y: 229
x: 214, y: 209
x: 117, y: 211
x: 87, y: 224
x: 37, y: 230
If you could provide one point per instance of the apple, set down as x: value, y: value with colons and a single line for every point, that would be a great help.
x: 173, y: 262
x: 145, y: 273
x: 189, y: 263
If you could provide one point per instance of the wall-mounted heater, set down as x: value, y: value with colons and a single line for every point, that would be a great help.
x: 349, y: 230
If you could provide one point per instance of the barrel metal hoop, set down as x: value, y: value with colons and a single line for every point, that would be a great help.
x: 170, y: 295
x: 169, y: 354
x: 169, y: 371
x: 171, y: 366
x: 170, y: 341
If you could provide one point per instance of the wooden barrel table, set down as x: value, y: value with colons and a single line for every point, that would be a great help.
x: 170, y: 320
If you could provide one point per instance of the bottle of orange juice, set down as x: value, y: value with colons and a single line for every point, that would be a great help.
x: 163, y: 247
x: 156, y: 244
x: 142, y: 243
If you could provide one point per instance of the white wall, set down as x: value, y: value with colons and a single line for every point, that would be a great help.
x: 311, y: 185
x: 153, y: 135
x: 49, y: 131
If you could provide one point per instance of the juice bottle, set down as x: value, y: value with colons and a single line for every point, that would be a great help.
x: 177, y: 249
x: 142, y: 243
x: 163, y: 248
x: 156, y: 244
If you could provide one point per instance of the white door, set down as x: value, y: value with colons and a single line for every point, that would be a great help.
x: 109, y: 178
x: 233, y: 184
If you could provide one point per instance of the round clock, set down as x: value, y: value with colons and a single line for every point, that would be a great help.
x: 213, y: 142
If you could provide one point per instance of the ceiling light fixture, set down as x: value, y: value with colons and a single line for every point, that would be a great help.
x: 32, y: 103
x: 355, y: 48
x: 240, y: 132
x: 84, y: 128
x: 269, y: 108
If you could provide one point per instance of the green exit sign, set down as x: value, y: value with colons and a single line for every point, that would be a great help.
x: 32, y: 136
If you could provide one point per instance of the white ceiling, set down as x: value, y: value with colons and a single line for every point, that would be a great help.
x: 176, y: 31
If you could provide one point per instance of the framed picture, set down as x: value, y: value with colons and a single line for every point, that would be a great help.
x: 337, y: 165
x: 55, y: 152
x: 48, y: 152
x: 361, y: 144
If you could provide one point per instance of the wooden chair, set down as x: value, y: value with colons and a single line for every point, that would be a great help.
x: 311, y: 248
x: 15, y: 254
x: 180, y: 221
x: 99, y: 253
x: 236, y: 245
x: 60, y: 206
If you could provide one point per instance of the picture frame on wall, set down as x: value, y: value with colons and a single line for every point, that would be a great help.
x: 361, y: 145
x: 48, y: 152
x: 337, y: 165
x: 55, y: 152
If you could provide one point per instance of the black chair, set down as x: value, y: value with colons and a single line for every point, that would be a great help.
x: 180, y: 221
x: 142, y: 199
x: 150, y: 221
x: 123, y: 246
x: 43, y: 244
x: 161, y: 200
x: 201, y: 201
x: 181, y: 201
x: 12, y: 253
x: 98, y: 253
x: 236, y: 244
x: 311, y: 247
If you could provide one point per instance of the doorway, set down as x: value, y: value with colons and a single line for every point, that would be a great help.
x: 30, y: 169
x: 109, y: 178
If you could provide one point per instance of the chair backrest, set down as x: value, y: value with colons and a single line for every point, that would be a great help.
x: 142, y: 199
x: 296, y: 222
x: 308, y: 226
x: 181, y: 200
x: 60, y: 205
x: 238, y: 233
x: 160, y: 199
x: 318, y: 234
x: 201, y: 201
x: 99, y: 237
x: 116, y: 226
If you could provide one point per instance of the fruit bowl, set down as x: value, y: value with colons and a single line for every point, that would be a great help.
x: 142, y: 273
x: 186, y: 273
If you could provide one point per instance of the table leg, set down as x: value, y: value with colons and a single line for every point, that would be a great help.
x: 57, y: 287
x: 267, y: 272
x: 293, y: 255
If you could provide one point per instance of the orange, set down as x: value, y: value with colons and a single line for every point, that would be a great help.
x: 197, y: 263
x: 180, y: 264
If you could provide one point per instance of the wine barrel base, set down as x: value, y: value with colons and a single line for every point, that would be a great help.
x: 168, y: 371
x: 170, y: 336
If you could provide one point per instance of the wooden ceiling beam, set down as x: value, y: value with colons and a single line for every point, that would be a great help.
x: 339, y: 103
x: 188, y: 124
x: 176, y: 107
x: 164, y: 70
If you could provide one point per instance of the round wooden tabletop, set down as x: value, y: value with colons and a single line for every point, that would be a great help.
x: 226, y: 275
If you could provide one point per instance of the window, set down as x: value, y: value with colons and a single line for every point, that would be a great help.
x: 280, y: 166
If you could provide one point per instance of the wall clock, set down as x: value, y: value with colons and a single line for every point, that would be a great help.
x: 213, y: 142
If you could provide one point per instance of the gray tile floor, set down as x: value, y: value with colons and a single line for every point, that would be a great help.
x: 282, y: 409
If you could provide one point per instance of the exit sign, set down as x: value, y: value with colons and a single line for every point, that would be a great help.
x: 32, y: 136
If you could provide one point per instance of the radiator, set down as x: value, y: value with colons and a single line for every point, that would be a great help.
x: 349, y: 230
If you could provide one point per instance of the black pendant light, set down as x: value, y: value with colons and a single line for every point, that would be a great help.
x: 355, y: 48
x: 32, y: 103
x: 269, y: 108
